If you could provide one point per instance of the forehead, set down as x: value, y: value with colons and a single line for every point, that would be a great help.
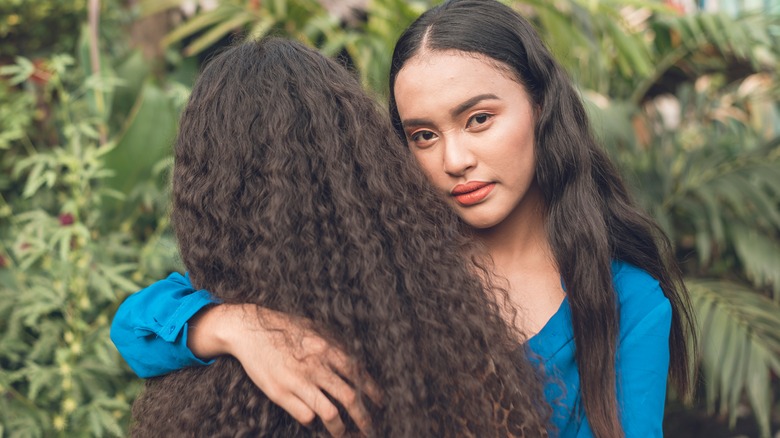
x: 459, y: 63
x: 446, y: 78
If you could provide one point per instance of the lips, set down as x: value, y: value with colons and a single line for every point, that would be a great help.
x: 471, y: 192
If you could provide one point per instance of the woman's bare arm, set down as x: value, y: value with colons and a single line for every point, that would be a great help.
x: 292, y: 365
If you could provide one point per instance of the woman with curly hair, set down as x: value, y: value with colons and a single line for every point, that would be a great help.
x: 292, y: 193
x: 502, y: 133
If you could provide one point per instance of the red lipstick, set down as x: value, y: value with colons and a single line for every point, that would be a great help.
x: 472, y: 192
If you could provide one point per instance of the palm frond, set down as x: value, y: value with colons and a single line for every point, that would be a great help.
x: 253, y: 19
x: 151, y: 7
x: 740, y: 346
x: 708, y: 172
x: 759, y: 255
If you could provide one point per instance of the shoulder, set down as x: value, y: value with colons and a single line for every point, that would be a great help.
x: 639, y: 294
x: 643, y: 350
x: 633, y: 284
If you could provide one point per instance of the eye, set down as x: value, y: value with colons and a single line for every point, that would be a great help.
x: 477, y: 120
x: 423, y: 138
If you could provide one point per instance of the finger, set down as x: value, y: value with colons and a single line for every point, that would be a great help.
x: 334, y: 385
x: 285, y: 398
x: 344, y: 366
x: 326, y: 410
x: 371, y: 389
x: 297, y: 409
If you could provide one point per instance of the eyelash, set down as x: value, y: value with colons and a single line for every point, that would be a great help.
x: 487, y: 116
x: 415, y: 137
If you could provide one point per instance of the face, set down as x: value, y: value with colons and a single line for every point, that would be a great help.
x: 471, y: 128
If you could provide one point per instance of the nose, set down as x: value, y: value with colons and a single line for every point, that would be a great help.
x: 458, y: 158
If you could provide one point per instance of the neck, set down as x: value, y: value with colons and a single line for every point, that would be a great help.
x: 523, y: 262
x: 520, y: 239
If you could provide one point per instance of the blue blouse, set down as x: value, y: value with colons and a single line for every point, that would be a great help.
x: 150, y: 331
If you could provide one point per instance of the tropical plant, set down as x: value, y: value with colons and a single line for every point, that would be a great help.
x: 364, y: 41
x: 83, y: 201
x: 304, y: 20
x: 34, y: 25
x: 697, y: 136
x: 713, y: 182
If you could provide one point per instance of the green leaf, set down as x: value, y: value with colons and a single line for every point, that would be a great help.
x: 40, y: 378
x: 261, y: 28
x: 38, y: 303
x: 740, y: 339
x: 99, y: 84
x: 197, y: 24
x: 113, y: 274
x: 279, y: 8
x: 759, y: 256
x: 759, y: 388
x: 151, y: 7
x: 217, y: 32
x: 139, y: 147
x: 22, y: 70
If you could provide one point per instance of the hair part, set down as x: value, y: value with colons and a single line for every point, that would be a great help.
x: 291, y: 191
x: 591, y: 218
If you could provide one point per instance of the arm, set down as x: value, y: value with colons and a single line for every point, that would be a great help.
x: 643, y: 357
x: 150, y: 328
x: 169, y: 325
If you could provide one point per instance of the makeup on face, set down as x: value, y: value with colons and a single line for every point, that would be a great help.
x: 470, y: 127
x: 472, y: 192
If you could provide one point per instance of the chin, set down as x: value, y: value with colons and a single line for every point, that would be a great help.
x: 477, y: 217
x: 480, y: 223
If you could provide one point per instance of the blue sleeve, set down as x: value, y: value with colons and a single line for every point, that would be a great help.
x: 643, y: 353
x: 150, y: 327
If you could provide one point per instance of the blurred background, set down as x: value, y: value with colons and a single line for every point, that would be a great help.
x: 685, y: 95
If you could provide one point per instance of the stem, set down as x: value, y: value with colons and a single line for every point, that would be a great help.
x: 94, y: 57
x: 17, y: 395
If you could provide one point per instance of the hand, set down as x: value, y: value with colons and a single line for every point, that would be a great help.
x: 291, y: 364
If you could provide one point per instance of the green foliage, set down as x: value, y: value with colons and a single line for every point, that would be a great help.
x: 597, y: 41
x: 140, y: 149
x: 16, y: 114
x: 710, y: 177
x: 697, y: 137
x: 37, y: 28
x: 66, y: 261
x: 370, y: 45
x: 714, y: 182
x: 367, y: 44
x: 741, y: 349
x: 28, y: 26
x: 698, y: 44
x: 304, y: 20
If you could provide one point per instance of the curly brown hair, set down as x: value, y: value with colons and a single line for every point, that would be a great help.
x: 291, y: 191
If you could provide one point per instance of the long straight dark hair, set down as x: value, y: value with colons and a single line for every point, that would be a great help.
x: 578, y: 181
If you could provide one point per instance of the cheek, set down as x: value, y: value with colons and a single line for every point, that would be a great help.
x: 513, y: 157
x: 520, y: 149
x: 428, y: 163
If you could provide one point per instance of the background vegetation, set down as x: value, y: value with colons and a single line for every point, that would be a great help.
x: 90, y: 92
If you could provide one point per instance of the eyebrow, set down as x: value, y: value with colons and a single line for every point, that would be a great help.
x: 455, y: 112
x: 463, y: 107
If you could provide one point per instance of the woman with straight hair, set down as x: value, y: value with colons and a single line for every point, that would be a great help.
x: 478, y: 97
x: 499, y: 129
x: 291, y: 192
